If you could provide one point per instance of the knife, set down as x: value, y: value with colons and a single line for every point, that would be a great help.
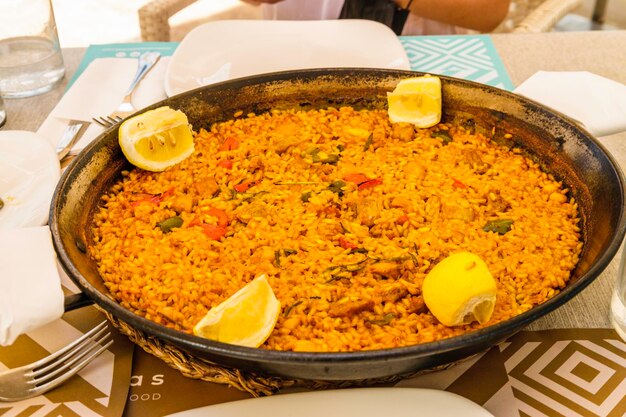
x: 74, y: 130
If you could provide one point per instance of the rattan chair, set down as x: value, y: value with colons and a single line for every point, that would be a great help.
x: 531, y: 16
x: 535, y: 16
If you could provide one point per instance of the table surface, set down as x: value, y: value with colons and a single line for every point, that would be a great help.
x: 602, y: 53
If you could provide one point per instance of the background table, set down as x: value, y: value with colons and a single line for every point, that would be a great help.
x: 523, y: 54
x: 602, y: 53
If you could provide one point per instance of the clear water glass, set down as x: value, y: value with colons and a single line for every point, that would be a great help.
x: 30, y: 55
x: 618, y: 300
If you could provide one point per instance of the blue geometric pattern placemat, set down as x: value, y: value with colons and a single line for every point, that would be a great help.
x: 471, y: 57
x: 120, y: 50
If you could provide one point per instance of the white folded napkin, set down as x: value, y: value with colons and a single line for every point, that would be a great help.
x: 31, y: 293
x: 30, y: 279
x: 98, y: 91
x: 596, y: 102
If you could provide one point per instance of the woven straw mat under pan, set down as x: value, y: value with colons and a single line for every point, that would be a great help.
x: 256, y: 384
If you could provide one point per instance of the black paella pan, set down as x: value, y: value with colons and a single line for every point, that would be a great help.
x: 560, y: 145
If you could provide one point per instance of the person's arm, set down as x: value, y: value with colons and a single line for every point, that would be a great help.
x: 480, y: 15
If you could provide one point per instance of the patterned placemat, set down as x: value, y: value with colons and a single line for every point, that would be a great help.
x: 471, y: 57
x: 99, y: 390
x: 120, y: 50
x: 566, y: 372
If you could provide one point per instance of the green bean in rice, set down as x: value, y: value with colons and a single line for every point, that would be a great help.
x: 345, y: 213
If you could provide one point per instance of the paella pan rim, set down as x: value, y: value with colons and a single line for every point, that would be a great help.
x: 488, y: 335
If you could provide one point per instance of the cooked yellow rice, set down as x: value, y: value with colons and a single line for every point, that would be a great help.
x: 347, y: 262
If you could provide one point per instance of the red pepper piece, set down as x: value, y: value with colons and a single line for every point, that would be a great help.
x: 214, y: 232
x: 370, y: 184
x: 458, y: 184
x: 362, y: 181
x: 346, y: 244
x: 153, y: 198
x: 229, y: 144
x: 227, y: 163
x: 222, y: 217
x: 356, y: 178
x: 240, y: 188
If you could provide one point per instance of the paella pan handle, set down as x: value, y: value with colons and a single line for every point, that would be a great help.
x: 75, y: 301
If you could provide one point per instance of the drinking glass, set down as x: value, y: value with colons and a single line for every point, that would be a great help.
x: 618, y: 300
x: 30, y: 56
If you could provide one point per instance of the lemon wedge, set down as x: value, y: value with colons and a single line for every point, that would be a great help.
x: 246, y: 318
x: 416, y: 101
x: 459, y: 290
x: 157, y: 139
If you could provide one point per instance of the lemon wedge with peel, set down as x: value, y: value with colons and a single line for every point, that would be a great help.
x: 416, y: 101
x: 246, y: 318
x: 157, y: 139
x: 459, y: 290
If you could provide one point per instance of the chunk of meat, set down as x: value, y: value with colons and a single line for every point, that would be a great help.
x: 414, y: 171
x: 264, y: 255
x: 386, y: 269
x: 255, y: 164
x: 283, y: 143
x: 450, y: 210
x: 403, y: 203
x: 285, y: 136
x: 394, y: 293
x: 432, y: 207
x: 255, y: 209
x: 403, y: 131
x: 182, y: 203
x: 368, y: 210
x: 497, y: 202
x: 473, y: 158
x: 207, y: 187
x: 348, y: 307
x: 416, y: 305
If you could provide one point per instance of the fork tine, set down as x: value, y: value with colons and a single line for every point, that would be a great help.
x: 74, y: 365
x: 101, y: 121
x: 38, y: 377
x: 72, y: 371
x: 53, y: 356
x: 107, y: 121
x: 60, y: 364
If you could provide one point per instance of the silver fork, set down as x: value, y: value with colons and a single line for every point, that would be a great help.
x: 73, y: 131
x: 41, y: 376
x: 147, y: 60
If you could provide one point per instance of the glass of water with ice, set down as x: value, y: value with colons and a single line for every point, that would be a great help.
x: 30, y: 56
